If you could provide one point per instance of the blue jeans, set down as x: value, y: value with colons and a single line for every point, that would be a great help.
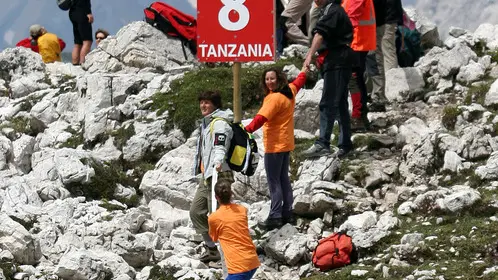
x: 242, y: 276
x: 277, y: 174
x: 335, y: 102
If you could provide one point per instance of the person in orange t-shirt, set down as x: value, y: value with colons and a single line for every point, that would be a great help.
x: 277, y: 118
x: 229, y: 225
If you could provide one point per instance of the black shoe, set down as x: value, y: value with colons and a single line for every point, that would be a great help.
x: 358, y: 125
x: 342, y: 153
x: 210, y: 255
x: 271, y: 223
x: 377, y: 107
x: 289, y: 220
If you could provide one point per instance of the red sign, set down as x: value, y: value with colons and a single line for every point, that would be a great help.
x: 235, y: 30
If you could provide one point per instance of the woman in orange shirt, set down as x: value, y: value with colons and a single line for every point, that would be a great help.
x: 229, y: 225
x: 277, y: 118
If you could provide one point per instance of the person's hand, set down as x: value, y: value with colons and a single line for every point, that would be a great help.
x: 307, y: 62
x: 218, y: 167
x: 90, y: 18
x: 305, y: 69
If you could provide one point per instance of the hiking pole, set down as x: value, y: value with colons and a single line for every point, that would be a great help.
x: 237, y: 98
x: 214, y: 179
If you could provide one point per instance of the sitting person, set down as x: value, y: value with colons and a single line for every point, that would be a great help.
x: 33, y: 44
x: 100, y: 35
x: 229, y: 225
x: 48, y: 45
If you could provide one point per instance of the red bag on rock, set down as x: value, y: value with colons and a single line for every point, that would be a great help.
x: 336, y: 250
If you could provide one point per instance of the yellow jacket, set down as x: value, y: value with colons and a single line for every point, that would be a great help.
x: 49, y: 47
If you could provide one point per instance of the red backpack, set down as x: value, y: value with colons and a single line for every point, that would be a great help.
x: 173, y: 23
x: 336, y: 250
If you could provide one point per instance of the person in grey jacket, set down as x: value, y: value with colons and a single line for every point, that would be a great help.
x: 215, y: 134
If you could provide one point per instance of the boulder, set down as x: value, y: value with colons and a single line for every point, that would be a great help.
x: 138, y: 45
x: 490, y: 170
x: 287, y: 245
x: 427, y: 29
x: 307, y: 113
x: 404, y: 84
x: 366, y: 229
x: 17, y: 240
x: 491, y: 98
x: 461, y: 198
x: 487, y: 33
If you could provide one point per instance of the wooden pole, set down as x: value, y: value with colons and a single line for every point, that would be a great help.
x: 237, y: 95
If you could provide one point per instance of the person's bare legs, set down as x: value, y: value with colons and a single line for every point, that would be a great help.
x: 87, y: 45
x: 76, y: 54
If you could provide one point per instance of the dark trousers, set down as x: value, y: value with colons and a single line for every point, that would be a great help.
x: 359, y: 70
x: 335, y: 102
x: 277, y: 174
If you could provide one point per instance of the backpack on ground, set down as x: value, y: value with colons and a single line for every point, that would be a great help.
x: 173, y: 23
x: 65, y: 4
x: 336, y: 250
x: 242, y: 156
x: 412, y: 47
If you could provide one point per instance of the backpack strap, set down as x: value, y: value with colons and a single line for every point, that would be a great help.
x: 211, y: 125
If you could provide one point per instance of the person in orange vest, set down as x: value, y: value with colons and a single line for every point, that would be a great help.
x: 362, y: 16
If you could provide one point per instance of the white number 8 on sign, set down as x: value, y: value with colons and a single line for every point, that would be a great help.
x: 235, y: 5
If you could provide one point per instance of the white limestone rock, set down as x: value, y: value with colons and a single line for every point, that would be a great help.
x: 404, y: 84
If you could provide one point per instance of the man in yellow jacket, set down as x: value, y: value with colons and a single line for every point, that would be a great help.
x: 48, y: 43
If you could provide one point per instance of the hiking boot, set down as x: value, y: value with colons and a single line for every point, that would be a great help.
x: 210, y: 255
x: 342, y: 153
x: 357, y: 124
x: 316, y: 150
x: 271, y: 223
x: 289, y: 220
x: 377, y: 107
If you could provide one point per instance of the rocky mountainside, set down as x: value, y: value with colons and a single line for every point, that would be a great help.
x: 462, y: 13
x: 17, y: 16
x: 96, y: 183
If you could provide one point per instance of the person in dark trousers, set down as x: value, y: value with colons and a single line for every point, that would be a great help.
x: 81, y: 17
x: 213, y: 143
x: 333, y: 35
x: 277, y: 118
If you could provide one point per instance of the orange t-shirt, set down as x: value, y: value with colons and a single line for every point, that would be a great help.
x: 229, y: 225
x: 278, y: 131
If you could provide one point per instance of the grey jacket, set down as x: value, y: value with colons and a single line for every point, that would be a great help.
x: 213, y: 146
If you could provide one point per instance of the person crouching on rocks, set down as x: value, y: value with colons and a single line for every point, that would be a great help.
x: 229, y: 225
x: 277, y: 118
x: 213, y: 143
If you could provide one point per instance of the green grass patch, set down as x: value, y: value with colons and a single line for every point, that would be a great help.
x: 450, y: 115
x: 477, y: 93
x: 107, y: 176
x: 9, y: 269
x: 75, y: 140
x: 296, y: 157
x: 122, y: 135
x: 181, y: 101
x: 159, y: 273
x: 20, y: 125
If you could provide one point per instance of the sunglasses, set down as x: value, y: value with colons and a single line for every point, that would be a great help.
x: 99, y: 38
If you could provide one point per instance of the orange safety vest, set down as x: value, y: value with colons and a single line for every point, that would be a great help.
x: 364, y: 34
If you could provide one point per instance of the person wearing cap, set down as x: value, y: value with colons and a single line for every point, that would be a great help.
x: 81, y: 17
x: 48, y: 43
